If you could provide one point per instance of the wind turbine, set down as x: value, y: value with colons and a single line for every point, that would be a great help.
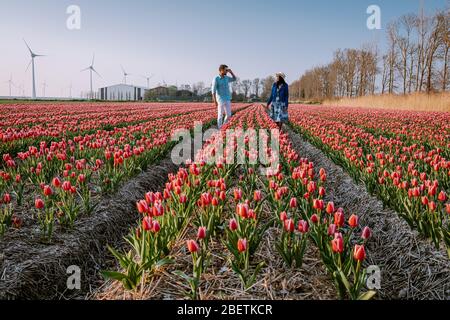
x: 91, y: 68
x: 125, y: 74
x: 44, y: 85
x: 11, y: 83
x: 33, y: 55
x: 148, y: 80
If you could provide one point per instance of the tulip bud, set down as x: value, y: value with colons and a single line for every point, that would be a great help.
x: 242, y: 245
x: 432, y: 205
x: 303, y: 226
x: 447, y: 208
x: 359, y: 253
x: 39, y: 203
x: 192, y: 246
x: 237, y: 194
x: 283, y: 216
x: 322, y: 191
x: 147, y: 223
x: 339, y: 218
x: 156, y: 227
x: 242, y: 210
x: 337, y: 244
x: 289, y: 225
x: 330, y: 207
x: 293, y: 203
x: 6, y: 198
x: 425, y: 200
x: 201, y: 234
x: 48, y: 191
x: 257, y: 195
x: 353, y: 221
x: 332, y: 229
x: 233, y: 225
x: 314, y: 219
x: 442, y: 196
x: 366, y: 233
x: 56, y: 182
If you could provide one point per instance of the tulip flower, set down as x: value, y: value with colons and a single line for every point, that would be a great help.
x: 289, y: 225
x: 56, y: 182
x: 6, y: 198
x: 39, y: 203
x: 322, y: 191
x: 332, y: 229
x: 359, y: 253
x: 425, y: 200
x: 293, y: 203
x: 314, y: 219
x: 303, y: 226
x: 147, y: 223
x: 233, y: 225
x: 337, y: 244
x: 48, y: 191
x: 201, y: 233
x: 330, y: 208
x: 156, y: 227
x: 192, y: 246
x: 339, y: 218
x: 242, y: 210
x: 432, y: 206
x: 142, y: 206
x: 283, y: 216
x: 447, y: 208
x: 318, y: 204
x: 442, y: 196
x: 242, y: 245
x: 366, y: 233
x: 257, y: 195
x: 237, y: 194
x: 353, y: 221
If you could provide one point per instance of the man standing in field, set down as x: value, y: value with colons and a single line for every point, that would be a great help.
x: 221, y: 94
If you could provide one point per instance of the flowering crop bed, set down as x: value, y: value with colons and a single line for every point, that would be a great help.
x: 222, y: 213
x: 402, y: 157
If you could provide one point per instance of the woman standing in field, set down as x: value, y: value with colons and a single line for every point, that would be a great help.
x: 279, y: 100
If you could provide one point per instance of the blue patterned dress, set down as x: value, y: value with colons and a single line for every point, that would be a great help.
x: 280, y: 102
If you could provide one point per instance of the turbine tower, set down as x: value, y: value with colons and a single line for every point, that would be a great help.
x: 148, y: 80
x: 125, y: 74
x: 11, y: 83
x: 44, y: 86
x: 91, y: 68
x: 33, y: 55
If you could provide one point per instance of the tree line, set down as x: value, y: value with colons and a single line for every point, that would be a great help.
x: 417, y: 60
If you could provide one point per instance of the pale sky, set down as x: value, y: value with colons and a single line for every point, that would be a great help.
x: 181, y: 41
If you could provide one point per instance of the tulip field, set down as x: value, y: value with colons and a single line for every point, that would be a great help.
x: 402, y: 157
x: 269, y: 226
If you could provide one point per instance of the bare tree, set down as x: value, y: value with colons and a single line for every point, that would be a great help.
x: 256, y: 86
x: 246, y: 85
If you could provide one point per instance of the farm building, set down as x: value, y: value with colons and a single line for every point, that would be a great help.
x: 122, y: 92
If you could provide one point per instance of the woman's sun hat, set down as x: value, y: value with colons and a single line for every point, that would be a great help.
x: 280, y: 74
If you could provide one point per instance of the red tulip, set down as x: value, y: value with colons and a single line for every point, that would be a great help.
x: 147, y: 223
x: 251, y: 214
x: 293, y: 203
x: 332, y: 229
x: 318, y: 204
x: 142, y: 206
x: 242, y: 245
x: 242, y: 210
x: 330, y: 207
x: 289, y: 225
x: 339, y: 218
x: 39, y: 203
x: 233, y: 225
x: 237, y: 194
x: 183, y: 198
x: 432, y: 205
x: 314, y: 219
x: 425, y: 200
x: 337, y: 244
x: 48, y: 191
x: 322, y: 191
x: 283, y: 216
x: 6, y: 198
x: 353, y: 221
x: 257, y: 195
x: 56, y: 182
x: 303, y: 226
x: 156, y: 227
x: 447, y: 208
x: 201, y: 234
x: 442, y: 196
x: 366, y: 233
x: 192, y: 246
x: 81, y: 178
x: 359, y: 253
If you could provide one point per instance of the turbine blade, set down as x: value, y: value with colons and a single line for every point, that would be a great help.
x: 85, y: 69
x: 93, y: 59
x: 28, y: 65
x: 97, y: 73
x: 28, y: 46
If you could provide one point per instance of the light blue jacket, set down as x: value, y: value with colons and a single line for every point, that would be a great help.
x: 221, y: 88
